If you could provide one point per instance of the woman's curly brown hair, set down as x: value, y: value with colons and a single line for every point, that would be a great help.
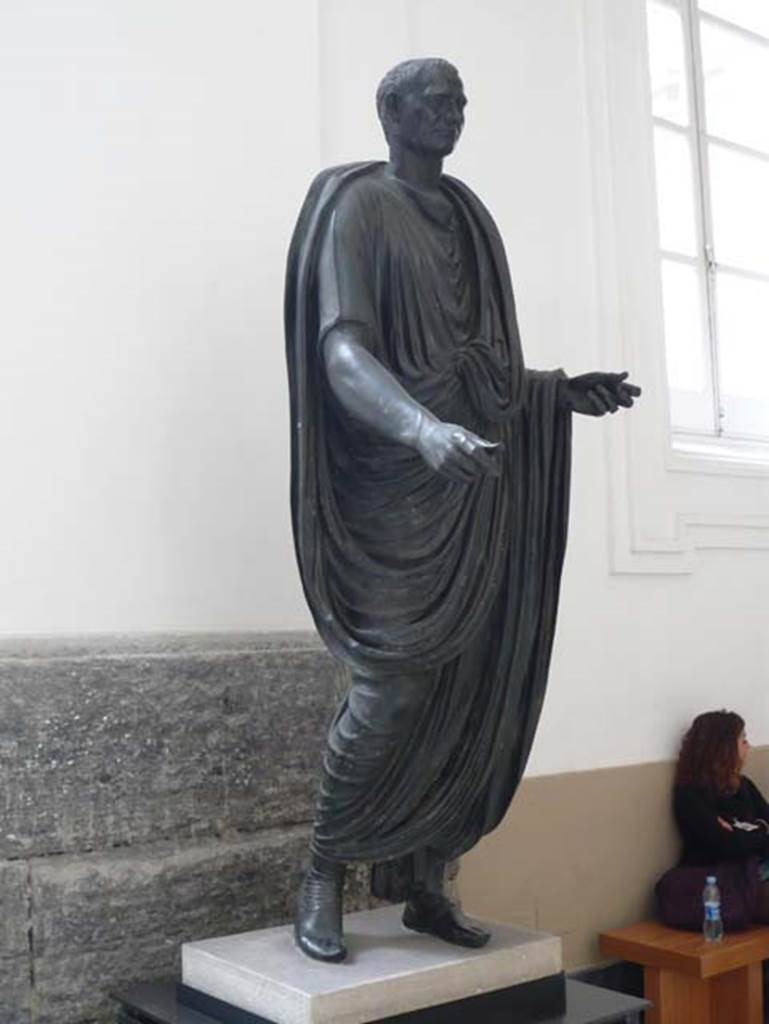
x: 708, y: 755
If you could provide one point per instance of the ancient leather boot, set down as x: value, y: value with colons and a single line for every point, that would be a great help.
x: 318, y: 924
x: 430, y: 910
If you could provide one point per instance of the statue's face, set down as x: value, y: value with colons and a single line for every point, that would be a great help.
x: 430, y: 113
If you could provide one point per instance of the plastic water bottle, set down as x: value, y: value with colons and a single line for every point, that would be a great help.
x: 712, y: 925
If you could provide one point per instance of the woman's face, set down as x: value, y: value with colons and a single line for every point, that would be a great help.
x: 742, y: 748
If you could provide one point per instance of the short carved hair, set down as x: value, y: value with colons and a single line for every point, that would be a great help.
x: 402, y: 75
x: 708, y: 755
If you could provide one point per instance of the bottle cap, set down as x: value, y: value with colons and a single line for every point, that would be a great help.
x: 711, y: 880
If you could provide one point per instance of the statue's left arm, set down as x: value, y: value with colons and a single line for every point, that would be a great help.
x: 591, y: 394
x: 597, y: 393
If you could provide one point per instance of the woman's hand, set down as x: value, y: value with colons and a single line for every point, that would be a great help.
x: 725, y: 824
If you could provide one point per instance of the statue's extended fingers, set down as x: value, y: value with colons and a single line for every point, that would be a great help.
x: 481, y: 451
x: 608, y: 397
x: 464, y: 449
x: 477, y: 439
x: 599, y: 406
x: 627, y: 396
x: 620, y: 387
x: 465, y: 441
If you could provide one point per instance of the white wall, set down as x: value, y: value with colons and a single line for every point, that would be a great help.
x: 159, y: 153
x: 154, y: 157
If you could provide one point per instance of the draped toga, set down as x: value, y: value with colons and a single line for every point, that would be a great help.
x: 437, y: 590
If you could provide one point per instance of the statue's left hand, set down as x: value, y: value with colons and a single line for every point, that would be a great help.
x: 595, y: 394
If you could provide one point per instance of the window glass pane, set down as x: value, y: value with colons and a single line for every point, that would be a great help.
x: 684, y: 337
x: 667, y: 64
x: 743, y: 333
x: 675, y: 191
x: 736, y: 73
x: 752, y: 14
x: 739, y: 186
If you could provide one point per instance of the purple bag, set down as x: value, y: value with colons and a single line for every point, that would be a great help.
x: 679, y: 895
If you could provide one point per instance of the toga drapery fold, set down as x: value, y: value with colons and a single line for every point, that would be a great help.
x: 406, y: 572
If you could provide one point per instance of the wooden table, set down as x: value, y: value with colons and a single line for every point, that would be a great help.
x: 691, y: 981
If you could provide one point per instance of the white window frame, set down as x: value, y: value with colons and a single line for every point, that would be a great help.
x: 719, y: 443
x: 665, y: 507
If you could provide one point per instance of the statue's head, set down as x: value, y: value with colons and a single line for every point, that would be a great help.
x: 421, y: 106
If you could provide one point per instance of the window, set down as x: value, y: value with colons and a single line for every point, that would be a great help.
x: 709, y: 66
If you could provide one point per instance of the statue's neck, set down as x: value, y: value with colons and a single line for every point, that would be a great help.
x: 418, y: 169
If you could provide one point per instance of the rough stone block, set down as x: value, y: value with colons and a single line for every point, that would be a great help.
x: 14, y: 907
x: 105, y: 746
x: 173, y: 778
x: 108, y: 920
x: 165, y: 889
x: 15, y: 990
x: 78, y: 989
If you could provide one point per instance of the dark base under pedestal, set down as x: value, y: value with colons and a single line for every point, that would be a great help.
x: 553, y: 1000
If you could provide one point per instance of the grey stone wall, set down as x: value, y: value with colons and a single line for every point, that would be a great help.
x: 153, y: 790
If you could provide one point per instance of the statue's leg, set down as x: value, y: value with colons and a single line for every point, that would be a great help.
x: 372, y: 719
x: 430, y: 909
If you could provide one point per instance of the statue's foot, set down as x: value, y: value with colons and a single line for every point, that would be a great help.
x: 438, y: 915
x: 318, y: 924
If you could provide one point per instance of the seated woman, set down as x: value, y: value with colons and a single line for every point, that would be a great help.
x: 721, y: 815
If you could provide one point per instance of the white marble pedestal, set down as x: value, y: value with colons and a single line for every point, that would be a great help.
x: 389, y: 971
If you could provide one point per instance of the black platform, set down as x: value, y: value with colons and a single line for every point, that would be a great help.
x: 578, y: 1003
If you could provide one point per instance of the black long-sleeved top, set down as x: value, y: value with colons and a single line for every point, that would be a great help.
x: 706, y: 842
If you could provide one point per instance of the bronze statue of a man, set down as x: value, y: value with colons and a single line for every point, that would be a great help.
x: 430, y: 481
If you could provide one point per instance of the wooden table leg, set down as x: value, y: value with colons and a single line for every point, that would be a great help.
x: 739, y: 995
x: 679, y: 999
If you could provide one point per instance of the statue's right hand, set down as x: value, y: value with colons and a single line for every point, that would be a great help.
x: 456, y: 452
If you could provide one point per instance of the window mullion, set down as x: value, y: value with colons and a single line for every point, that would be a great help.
x: 748, y: 275
x: 740, y: 30
x: 681, y: 257
x: 702, y: 176
x: 682, y: 129
x: 737, y: 147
